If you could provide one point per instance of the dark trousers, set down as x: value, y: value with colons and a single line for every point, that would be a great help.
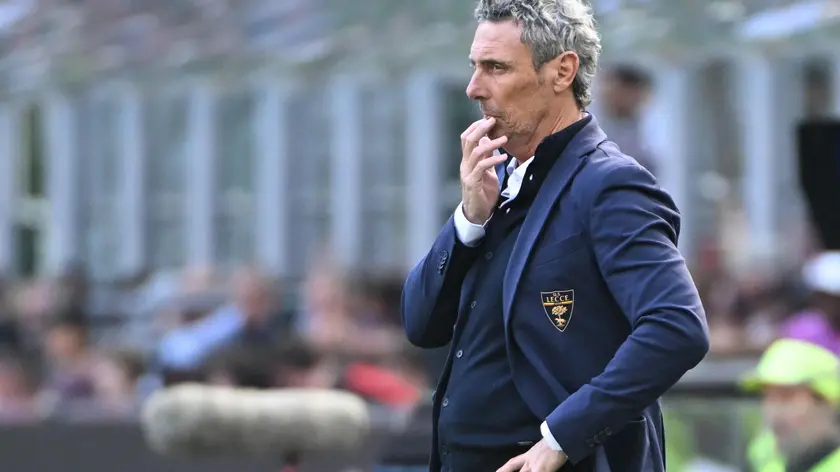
x: 479, y: 460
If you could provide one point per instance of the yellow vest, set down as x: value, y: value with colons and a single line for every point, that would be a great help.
x: 763, y: 455
x: 829, y: 464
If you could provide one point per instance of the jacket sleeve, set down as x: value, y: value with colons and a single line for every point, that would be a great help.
x: 634, y: 226
x: 432, y: 291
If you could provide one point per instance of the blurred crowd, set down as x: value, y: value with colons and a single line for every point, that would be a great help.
x: 70, y: 350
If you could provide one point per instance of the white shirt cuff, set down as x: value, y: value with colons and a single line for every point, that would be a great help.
x: 549, y: 438
x: 470, y: 234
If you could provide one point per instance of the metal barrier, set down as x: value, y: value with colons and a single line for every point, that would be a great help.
x: 48, y: 447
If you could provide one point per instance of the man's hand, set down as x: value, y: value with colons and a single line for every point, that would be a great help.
x: 479, y: 182
x: 540, y: 458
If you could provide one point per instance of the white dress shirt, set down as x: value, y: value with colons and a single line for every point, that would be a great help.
x: 471, y: 234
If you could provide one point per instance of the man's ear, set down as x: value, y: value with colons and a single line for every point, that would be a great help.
x: 564, y: 69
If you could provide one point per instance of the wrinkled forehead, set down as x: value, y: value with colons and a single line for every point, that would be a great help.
x: 499, y: 41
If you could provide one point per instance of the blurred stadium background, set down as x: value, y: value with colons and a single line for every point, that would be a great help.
x: 231, y: 191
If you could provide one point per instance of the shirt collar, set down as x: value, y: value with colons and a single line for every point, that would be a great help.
x: 514, y: 164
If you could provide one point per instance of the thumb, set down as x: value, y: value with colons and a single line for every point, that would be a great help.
x: 514, y: 464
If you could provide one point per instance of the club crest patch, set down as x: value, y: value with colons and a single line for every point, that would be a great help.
x: 559, y: 306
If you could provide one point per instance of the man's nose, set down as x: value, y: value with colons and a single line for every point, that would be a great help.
x: 474, y: 89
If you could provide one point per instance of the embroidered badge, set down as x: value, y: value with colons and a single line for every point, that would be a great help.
x: 559, y: 306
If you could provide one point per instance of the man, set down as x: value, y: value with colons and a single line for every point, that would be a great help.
x: 254, y: 317
x: 626, y: 91
x: 557, y: 281
x: 800, y: 386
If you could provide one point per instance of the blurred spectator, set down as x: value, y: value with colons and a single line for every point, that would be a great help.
x: 820, y: 323
x: 381, y: 385
x: 198, y: 328
x: 301, y: 366
x: 259, y: 302
x: 744, y: 310
x: 325, y: 303
x: 117, y: 382
x: 290, y: 363
x: 353, y: 318
x: 33, y: 303
x: 11, y: 337
x: 801, y: 393
x: 198, y: 280
x: 244, y: 366
x: 625, y: 92
x: 401, y: 384
x: 17, y: 390
x: 70, y: 360
x: 254, y: 317
x: 73, y: 291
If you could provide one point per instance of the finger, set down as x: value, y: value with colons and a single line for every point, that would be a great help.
x: 485, y: 150
x: 470, y: 129
x: 513, y: 465
x: 477, y: 133
x: 484, y: 126
x: 468, y: 139
x: 482, y: 167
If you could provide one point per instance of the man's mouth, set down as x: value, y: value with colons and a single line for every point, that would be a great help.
x: 487, y: 114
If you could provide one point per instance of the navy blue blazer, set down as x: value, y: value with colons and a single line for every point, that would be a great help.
x: 601, y: 314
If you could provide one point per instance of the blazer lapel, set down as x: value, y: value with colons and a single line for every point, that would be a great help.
x: 562, y: 173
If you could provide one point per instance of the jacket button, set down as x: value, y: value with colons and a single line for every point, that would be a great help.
x: 459, y: 354
x: 442, y: 261
x: 489, y: 255
x: 445, y: 402
x: 473, y: 304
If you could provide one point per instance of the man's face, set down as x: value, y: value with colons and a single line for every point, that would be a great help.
x: 253, y: 296
x: 623, y: 99
x: 504, y: 81
x: 797, y: 417
x: 64, y: 341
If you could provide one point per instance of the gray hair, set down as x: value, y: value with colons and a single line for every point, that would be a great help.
x: 550, y: 28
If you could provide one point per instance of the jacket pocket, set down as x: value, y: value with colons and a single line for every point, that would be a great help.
x: 629, y: 448
x: 551, y: 252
